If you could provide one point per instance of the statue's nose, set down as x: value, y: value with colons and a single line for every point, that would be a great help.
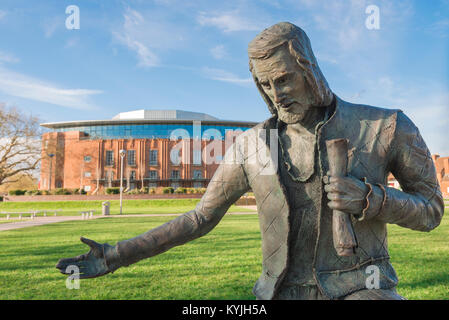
x: 278, y: 95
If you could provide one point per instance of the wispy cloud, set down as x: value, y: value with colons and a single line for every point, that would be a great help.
x: 50, y: 26
x: 146, y: 34
x: 2, y: 14
x: 341, y: 24
x: 219, y: 52
x: 440, y: 28
x: 8, y: 58
x: 127, y: 36
x: 71, y: 42
x: 228, y: 21
x: 225, y: 76
x: 23, y: 86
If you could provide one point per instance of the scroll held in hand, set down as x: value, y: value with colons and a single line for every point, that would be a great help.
x: 342, y: 230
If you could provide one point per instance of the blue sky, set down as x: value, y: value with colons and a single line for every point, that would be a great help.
x: 191, y: 55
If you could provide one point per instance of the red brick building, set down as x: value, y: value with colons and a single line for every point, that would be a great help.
x: 442, y: 166
x: 86, y: 154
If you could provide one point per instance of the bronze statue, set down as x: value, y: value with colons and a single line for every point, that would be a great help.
x: 308, y: 248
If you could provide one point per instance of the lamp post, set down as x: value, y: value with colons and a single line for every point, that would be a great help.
x: 122, y: 156
x: 50, y: 155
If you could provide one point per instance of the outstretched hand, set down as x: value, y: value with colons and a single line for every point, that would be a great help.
x: 90, y: 265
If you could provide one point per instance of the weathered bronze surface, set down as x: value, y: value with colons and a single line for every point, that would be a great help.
x: 296, y: 200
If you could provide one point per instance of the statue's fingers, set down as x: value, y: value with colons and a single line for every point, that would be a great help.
x: 64, y: 263
x: 335, y: 186
x: 90, y: 243
x: 333, y: 196
x: 332, y: 205
x: 87, y: 275
x: 68, y: 266
x: 329, y: 188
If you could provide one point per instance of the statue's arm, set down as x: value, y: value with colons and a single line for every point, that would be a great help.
x: 227, y: 185
x: 419, y: 206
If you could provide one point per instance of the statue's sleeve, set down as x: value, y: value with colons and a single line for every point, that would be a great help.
x: 227, y: 185
x: 419, y: 205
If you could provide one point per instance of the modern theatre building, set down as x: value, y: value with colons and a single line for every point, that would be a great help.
x: 153, y: 148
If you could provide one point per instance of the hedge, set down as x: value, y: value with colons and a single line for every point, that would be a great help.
x: 114, y: 190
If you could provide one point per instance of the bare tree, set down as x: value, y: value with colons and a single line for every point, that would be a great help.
x: 20, y: 148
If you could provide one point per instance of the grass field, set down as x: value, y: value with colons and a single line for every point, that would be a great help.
x: 221, y: 265
x: 73, y: 208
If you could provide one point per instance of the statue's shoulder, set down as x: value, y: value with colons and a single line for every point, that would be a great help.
x: 254, y: 132
x: 269, y: 123
x: 404, y: 128
x: 349, y: 110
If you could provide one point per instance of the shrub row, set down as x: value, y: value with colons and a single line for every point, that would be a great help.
x: 58, y: 191
x: 159, y: 190
x: 113, y: 190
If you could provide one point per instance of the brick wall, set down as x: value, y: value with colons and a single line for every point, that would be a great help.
x: 71, y: 169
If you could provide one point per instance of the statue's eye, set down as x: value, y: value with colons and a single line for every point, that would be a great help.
x: 282, y: 80
x: 266, y: 85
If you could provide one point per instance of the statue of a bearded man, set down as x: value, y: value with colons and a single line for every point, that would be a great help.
x: 296, y: 201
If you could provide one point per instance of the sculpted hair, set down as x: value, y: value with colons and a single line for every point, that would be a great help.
x: 286, y: 34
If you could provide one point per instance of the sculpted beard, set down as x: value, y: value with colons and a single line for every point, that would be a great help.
x: 296, y: 110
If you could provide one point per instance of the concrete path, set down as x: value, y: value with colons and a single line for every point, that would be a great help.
x: 39, y: 221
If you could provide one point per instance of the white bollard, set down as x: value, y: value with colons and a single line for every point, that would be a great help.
x: 91, y: 215
x: 7, y: 217
x: 45, y: 214
x: 20, y: 216
x: 32, y: 217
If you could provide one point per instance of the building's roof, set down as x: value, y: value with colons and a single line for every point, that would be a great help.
x: 149, y: 117
x: 163, y: 115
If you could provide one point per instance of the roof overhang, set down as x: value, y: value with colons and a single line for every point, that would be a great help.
x: 86, y: 123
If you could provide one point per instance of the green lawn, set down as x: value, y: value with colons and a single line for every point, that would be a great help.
x: 70, y: 208
x: 221, y: 265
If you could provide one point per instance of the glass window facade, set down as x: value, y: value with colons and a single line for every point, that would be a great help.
x: 153, y: 174
x: 150, y: 131
x: 153, y: 157
x: 109, y: 157
x: 175, y: 175
x: 197, y: 174
x: 131, y: 157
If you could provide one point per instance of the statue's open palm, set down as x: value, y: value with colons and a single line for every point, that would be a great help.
x: 90, y: 265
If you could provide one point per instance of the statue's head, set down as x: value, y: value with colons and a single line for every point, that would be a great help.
x: 286, y: 72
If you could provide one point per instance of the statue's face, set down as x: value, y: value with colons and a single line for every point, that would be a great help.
x: 283, y: 82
